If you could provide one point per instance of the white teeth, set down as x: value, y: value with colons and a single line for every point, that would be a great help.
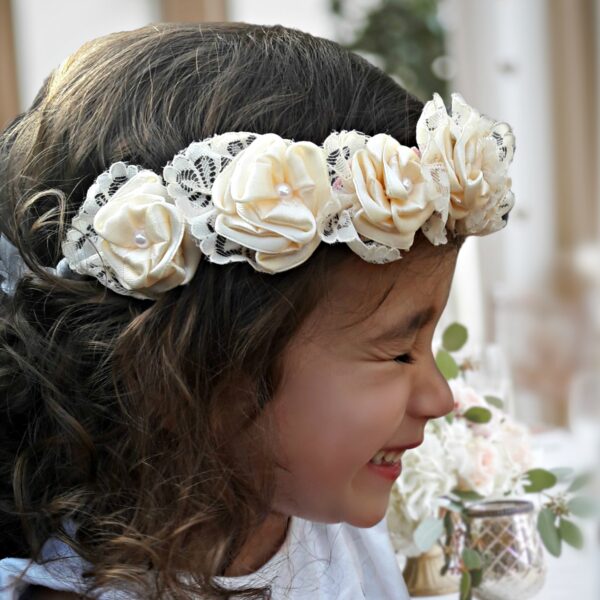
x: 387, y: 457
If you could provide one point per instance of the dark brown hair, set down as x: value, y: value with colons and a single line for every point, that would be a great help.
x: 122, y: 415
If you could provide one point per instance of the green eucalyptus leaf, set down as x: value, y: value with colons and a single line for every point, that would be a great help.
x: 428, y: 533
x: 478, y: 414
x: 465, y: 586
x: 449, y: 417
x: 447, y: 365
x: 580, y: 481
x: 472, y: 559
x: 476, y: 577
x: 583, y: 506
x: 539, y: 479
x: 448, y: 524
x: 467, y: 494
x: 570, y: 533
x: 454, y: 337
x: 455, y: 507
x: 549, y: 532
x: 495, y: 401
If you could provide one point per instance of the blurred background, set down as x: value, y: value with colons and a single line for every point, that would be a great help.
x: 529, y: 295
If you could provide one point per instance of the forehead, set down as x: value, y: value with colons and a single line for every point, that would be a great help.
x: 364, y: 298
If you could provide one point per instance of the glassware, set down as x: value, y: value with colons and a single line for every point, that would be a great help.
x: 505, y: 533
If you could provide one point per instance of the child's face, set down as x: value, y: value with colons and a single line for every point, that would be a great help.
x: 344, y: 397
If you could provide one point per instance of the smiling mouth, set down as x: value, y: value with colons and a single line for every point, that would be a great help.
x: 390, y: 471
x: 387, y: 458
x: 393, y: 454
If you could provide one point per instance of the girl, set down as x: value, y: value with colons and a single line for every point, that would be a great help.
x: 211, y: 392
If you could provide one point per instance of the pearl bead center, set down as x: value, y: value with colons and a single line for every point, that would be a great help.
x: 141, y: 240
x: 284, y: 190
x: 407, y: 183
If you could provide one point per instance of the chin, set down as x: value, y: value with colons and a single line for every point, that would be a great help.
x: 367, y: 521
x: 364, y: 517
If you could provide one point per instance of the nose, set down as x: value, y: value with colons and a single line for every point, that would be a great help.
x: 432, y: 397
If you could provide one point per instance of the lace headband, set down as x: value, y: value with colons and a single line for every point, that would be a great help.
x: 269, y: 201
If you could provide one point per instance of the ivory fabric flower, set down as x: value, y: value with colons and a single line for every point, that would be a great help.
x: 475, y: 153
x: 395, y: 197
x: 144, y: 237
x: 272, y: 197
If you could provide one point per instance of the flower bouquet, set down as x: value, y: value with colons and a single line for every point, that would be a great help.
x: 476, y: 454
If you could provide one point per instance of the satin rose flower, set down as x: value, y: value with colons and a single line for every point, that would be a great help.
x: 272, y: 197
x: 395, y: 196
x: 144, y: 238
x: 475, y: 153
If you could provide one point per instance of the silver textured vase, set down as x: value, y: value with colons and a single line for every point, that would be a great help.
x: 505, y: 532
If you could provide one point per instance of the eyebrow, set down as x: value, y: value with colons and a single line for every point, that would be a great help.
x: 405, y: 328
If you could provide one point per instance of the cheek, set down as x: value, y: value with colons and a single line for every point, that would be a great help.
x: 333, y: 417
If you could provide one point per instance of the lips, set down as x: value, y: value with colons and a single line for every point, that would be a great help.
x: 400, y: 448
x: 390, y: 472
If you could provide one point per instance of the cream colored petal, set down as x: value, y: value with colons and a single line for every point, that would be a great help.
x: 403, y: 165
x: 388, y: 235
x: 243, y: 175
x: 382, y: 146
x: 238, y: 230
x: 394, y: 186
x: 120, y: 217
x: 266, y: 154
x: 307, y: 173
x: 142, y: 267
x: 408, y: 218
x: 369, y: 189
x: 277, y: 263
x: 410, y: 213
x: 256, y: 183
x: 221, y: 190
x: 476, y: 192
x: 287, y: 216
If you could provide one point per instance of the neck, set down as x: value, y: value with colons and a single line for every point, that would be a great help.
x: 262, y: 545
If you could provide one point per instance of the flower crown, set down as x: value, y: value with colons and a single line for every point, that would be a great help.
x: 270, y: 201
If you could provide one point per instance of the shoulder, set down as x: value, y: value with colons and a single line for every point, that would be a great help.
x: 37, y: 592
x: 23, y: 579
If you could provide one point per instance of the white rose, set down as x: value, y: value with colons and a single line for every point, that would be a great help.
x: 465, y: 397
x: 272, y: 197
x: 395, y: 196
x: 426, y: 476
x: 144, y: 237
x: 516, y: 452
x: 475, y: 153
x: 477, y: 464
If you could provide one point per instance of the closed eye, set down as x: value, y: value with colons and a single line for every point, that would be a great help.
x: 404, y: 358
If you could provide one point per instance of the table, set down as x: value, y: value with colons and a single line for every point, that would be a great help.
x: 576, y: 574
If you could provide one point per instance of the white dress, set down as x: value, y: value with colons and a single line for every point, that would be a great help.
x: 317, y: 561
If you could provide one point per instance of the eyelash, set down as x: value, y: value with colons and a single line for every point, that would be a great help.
x: 405, y: 358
